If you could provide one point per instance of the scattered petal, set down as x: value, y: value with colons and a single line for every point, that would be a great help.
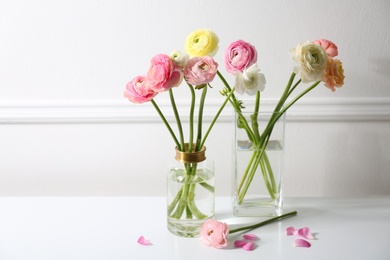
x: 305, y: 233
x: 239, y: 243
x: 291, y: 231
x: 249, y: 246
x: 301, y: 243
x: 143, y: 241
x: 250, y: 237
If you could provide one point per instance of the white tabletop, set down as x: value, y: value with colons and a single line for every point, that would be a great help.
x: 108, y: 228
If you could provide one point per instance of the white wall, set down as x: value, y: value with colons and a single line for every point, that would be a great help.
x: 65, y: 128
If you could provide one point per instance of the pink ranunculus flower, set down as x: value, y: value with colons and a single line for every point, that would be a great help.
x: 329, y: 47
x: 214, y: 233
x: 163, y: 73
x: 139, y: 91
x: 334, y: 74
x: 239, y: 55
x: 200, y: 70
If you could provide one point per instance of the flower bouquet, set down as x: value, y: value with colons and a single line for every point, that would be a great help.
x: 315, y: 63
x: 190, y: 182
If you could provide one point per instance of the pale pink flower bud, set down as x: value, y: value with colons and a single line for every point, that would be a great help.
x: 139, y: 91
x: 200, y: 70
x: 214, y: 233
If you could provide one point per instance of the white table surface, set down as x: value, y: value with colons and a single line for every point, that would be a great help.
x: 108, y: 228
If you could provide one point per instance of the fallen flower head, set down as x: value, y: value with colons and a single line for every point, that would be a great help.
x: 214, y: 233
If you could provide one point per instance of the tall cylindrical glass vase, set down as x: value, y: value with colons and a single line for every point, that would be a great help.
x: 258, y: 164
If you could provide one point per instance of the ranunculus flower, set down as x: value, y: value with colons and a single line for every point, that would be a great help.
x: 329, y: 47
x: 200, y: 70
x: 139, y: 91
x: 311, y: 59
x: 250, y: 81
x: 239, y: 55
x: 214, y: 233
x: 179, y: 58
x: 201, y: 42
x: 334, y: 74
x: 163, y: 73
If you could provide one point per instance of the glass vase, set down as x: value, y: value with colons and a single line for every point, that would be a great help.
x: 190, y: 192
x: 258, y: 164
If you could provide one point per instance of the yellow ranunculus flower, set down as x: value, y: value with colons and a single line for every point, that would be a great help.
x: 202, y: 42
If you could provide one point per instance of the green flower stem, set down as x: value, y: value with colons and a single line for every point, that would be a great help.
x: 245, y: 176
x: 191, y: 203
x: 235, y: 103
x: 200, y: 119
x: 216, y: 118
x: 285, y: 94
x: 178, y: 121
x: 290, y: 214
x: 292, y: 102
x: 285, y: 108
x: 294, y: 87
x: 174, y: 202
x: 191, y: 117
x: 207, y: 187
x: 165, y: 122
x: 270, y: 173
x: 188, y: 213
x: 249, y: 177
x: 237, y: 107
x: 182, y: 204
x: 224, y: 80
x: 254, y: 119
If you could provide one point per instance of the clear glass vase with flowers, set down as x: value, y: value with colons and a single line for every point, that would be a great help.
x: 315, y: 64
x: 190, y: 198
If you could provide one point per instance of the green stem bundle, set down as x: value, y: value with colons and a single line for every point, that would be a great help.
x: 259, y: 158
x: 184, y: 201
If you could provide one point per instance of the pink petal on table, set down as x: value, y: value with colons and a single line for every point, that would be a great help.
x: 250, y: 237
x: 141, y: 240
x: 301, y: 243
x: 305, y: 233
x: 249, y: 246
x: 291, y: 231
x: 239, y: 243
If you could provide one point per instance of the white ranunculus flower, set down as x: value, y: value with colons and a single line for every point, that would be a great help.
x: 250, y: 81
x: 179, y: 57
x: 311, y: 59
